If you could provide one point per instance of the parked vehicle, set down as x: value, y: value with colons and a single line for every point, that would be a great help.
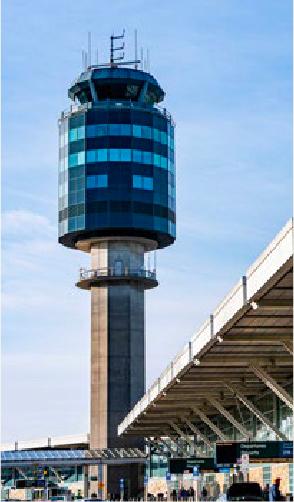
x: 245, y: 491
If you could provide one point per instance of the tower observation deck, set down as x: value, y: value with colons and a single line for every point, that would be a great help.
x: 117, y: 203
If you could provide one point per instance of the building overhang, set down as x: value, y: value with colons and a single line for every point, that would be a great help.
x: 244, y: 349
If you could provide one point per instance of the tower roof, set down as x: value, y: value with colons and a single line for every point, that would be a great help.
x: 99, y: 84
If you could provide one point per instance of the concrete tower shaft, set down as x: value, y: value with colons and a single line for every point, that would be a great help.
x: 117, y: 281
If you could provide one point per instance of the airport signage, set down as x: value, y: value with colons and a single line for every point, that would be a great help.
x: 227, y: 454
x: 179, y: 465
x: 196, y: 471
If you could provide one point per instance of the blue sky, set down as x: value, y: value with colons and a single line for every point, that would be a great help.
x: 226, y: 68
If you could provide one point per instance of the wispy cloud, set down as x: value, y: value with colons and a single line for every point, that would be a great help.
x: 22, y: 223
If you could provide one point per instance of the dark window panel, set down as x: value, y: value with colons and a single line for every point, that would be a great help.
x: 120, y: 205
x: 141, y: 207
x: 77, y: 120
x: 76, y: 146
x: 97, y: 207
x: 76, y: 210
x: 142, y: 118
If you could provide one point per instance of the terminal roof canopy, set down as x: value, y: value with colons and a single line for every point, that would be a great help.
x: 243, y: 350
x: 71, y: 457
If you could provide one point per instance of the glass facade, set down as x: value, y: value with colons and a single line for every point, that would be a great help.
x: 117, y: 174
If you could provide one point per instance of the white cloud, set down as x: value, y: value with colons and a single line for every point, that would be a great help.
x: 23, y: 223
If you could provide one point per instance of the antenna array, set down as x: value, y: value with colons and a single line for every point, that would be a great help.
x: 116, y: 60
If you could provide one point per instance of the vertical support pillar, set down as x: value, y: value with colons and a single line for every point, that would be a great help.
x: 117, y: 351
x: 85, y: 476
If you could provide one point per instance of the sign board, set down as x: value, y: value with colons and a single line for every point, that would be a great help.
x: 121, y: 483
x: 145, y: 480
x: 245, y: 459
x: 168, y: 476
x: 227, y: 454
x: 196, y: 471
x: 179, y: 465
x: 224, y: 470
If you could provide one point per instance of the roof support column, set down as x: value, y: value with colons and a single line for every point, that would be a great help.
x: 86, y: 484
x: 251, y: 407
x: 272, y: 384
x: 210, y: 424
x: 247, y: 434
x: 196, y: 431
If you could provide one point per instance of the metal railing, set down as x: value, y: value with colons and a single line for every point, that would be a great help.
x: 111, y: 103
x: 113, y: 272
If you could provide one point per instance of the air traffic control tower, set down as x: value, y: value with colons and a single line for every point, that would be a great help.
x: 117, y: 203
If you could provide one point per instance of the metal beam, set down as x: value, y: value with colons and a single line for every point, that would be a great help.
x: 288, y: 345
x: 272, y: 384
x: 229, y: 417
x: 251, y: 407
x: 181, y: 434
x: 277, y: 303
x: 210, y: 424
x: 264, y: 328
x: 196, y: 431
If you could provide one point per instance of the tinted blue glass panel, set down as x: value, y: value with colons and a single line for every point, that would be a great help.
x: 163, y: 162
x: 137, y: 156
x: 147, y: 157
x: 163, y: 137
x: 126, y: 130
x: 114, y: 129
x: 76, y: 159
x: 73, y: 160
x: 142, y: 182
x: 114, y: 154
x: 80, y: 221
x: 146, y: 132
x: 137, y: 181
x: 77, y: 133
x: 80, y: 196
x: 156, y: 160
x: 98, y: 181
x: 126, y: 155
x: 73, y: 135
x: 101, y: 155
x: 137, y: 131
x: 156, y: 135
x: 91, y: 155
x: 147, y: 183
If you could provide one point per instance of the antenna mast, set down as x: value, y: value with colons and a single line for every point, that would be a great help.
x: 113, y: 49
x: 89, y: 48
x: 136, y: 49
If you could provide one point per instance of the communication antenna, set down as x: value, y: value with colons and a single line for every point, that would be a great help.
x: 148, y: 61
x: 89, y: 48
x: 142, y: 58
x: 115, y: 61
x: 113, y: 48
x: 136, y: 49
